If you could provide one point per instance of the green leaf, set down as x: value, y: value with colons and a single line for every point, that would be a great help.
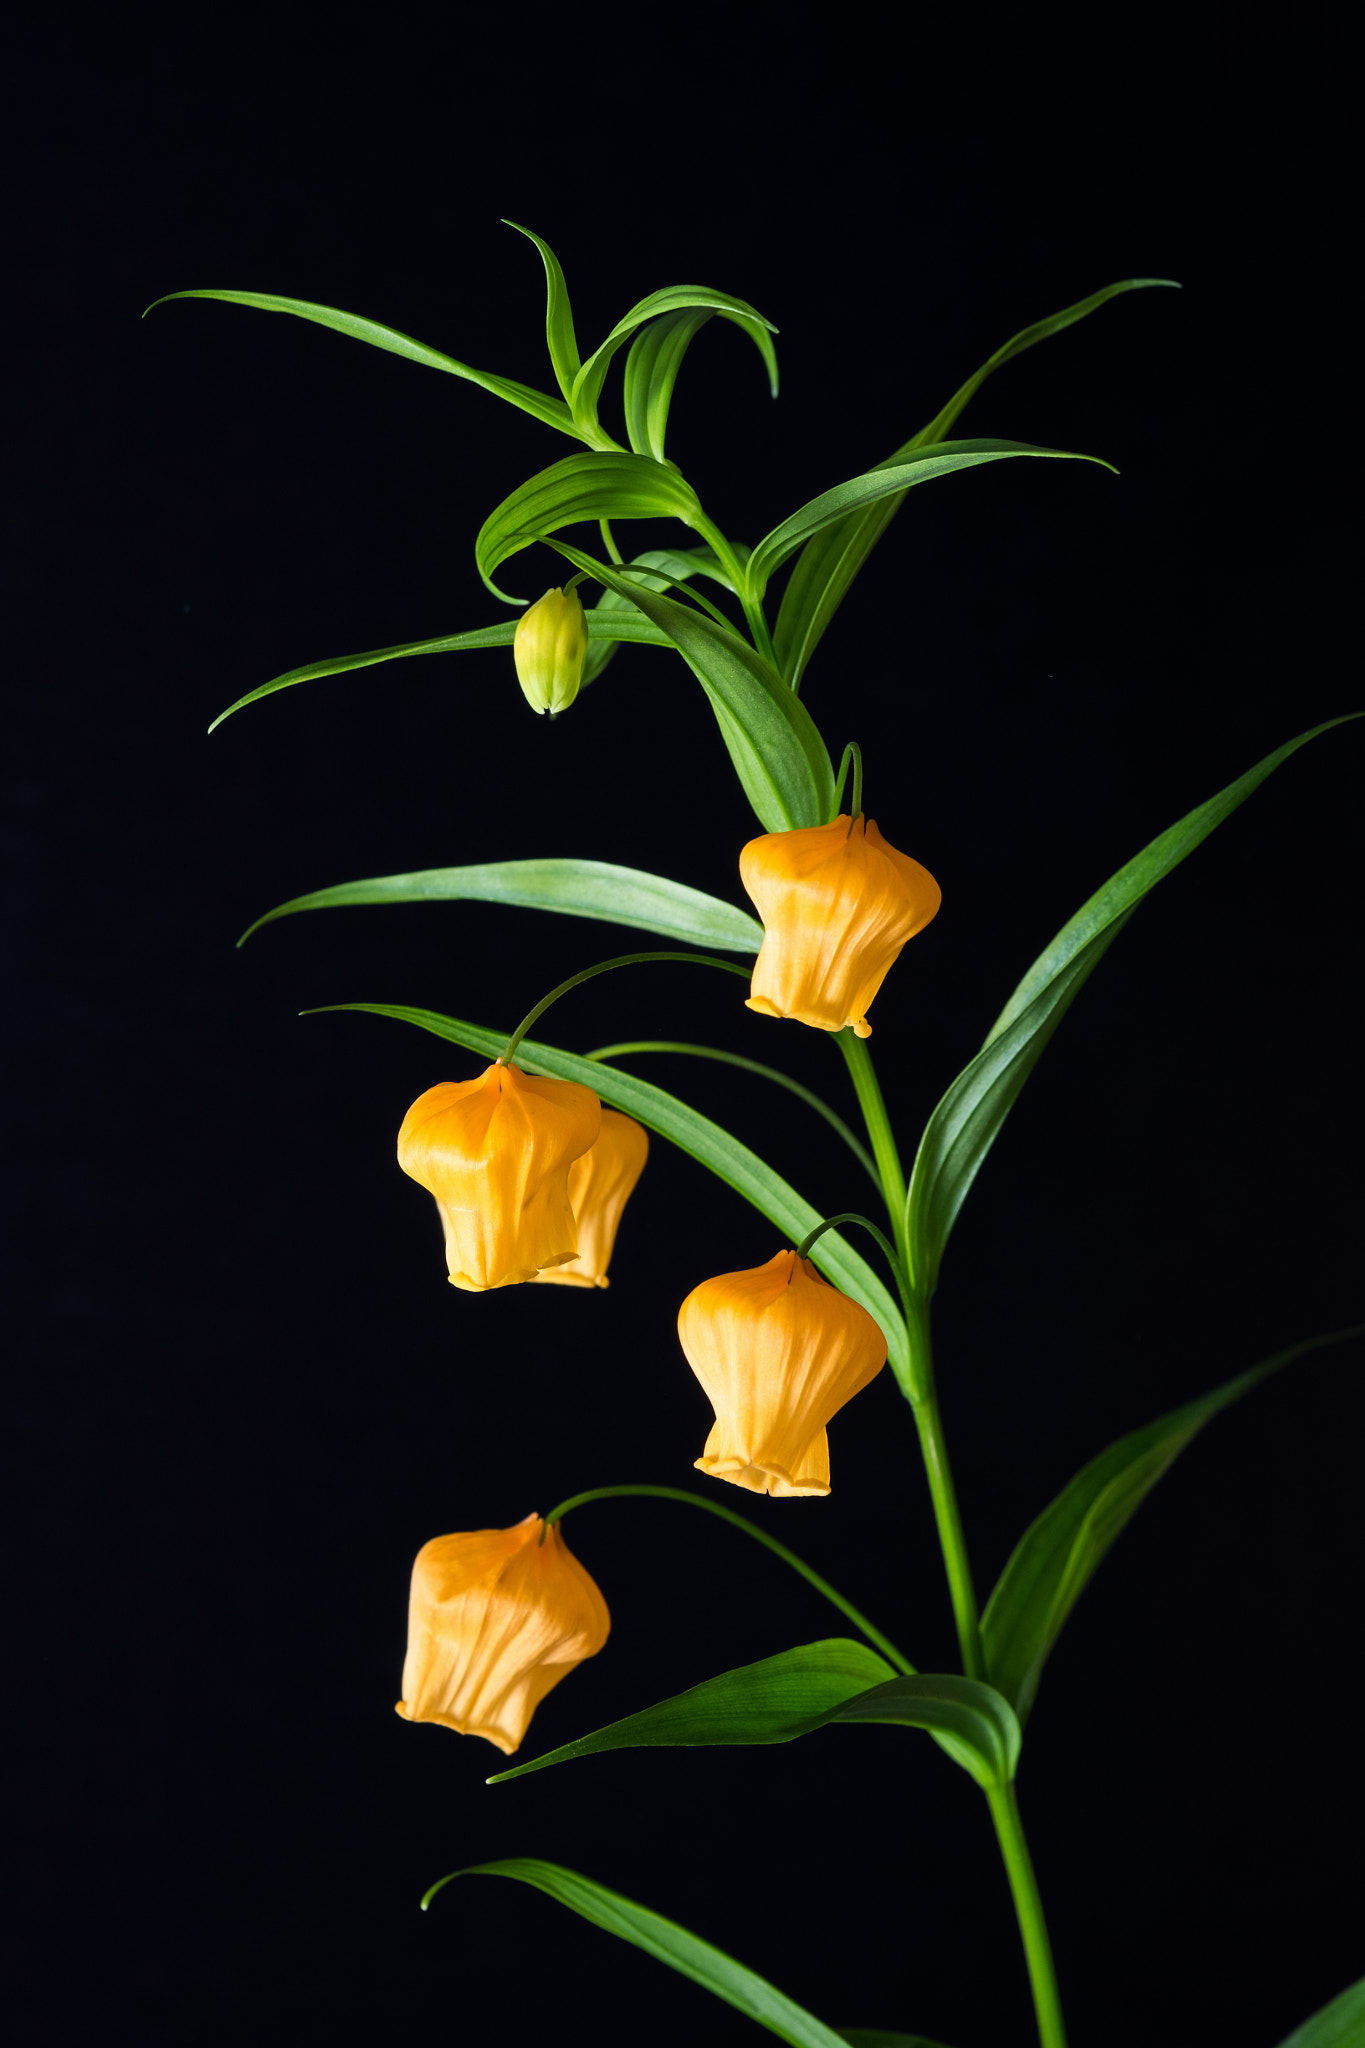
x: 551, y: 411
x: 574, y: 888
x: 559, y: 334
x: 581, y: 487
x: 651, y: 372
x: 668, y: 1943
x: 977, y: 1728
x: 1059, y: 1553
x: 777, y: 750
x: 874, y: 485
x: 832, y: 559
x: 800, y: 1690
x: 968, y: 1119
x: 674, y: 299
x: 675, y: 565
x: 1026, y: 338
x: 774, y: 1700
x: 732, y: 1162
x: 1338, y: 2025
x: 623, y: 626
x: 734, y: 1059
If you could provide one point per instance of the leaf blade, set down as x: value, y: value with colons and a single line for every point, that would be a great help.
x: 706, y: 1142
x: 858, y: 493
x: 667, y: 1943
x: 1063, y: 1547
x: 779, y: 755
x: 831, y: 559
x: 1341, y: 2024
x: 673, y: 298
x: 552, y: 412
x: 559, y: 334
x: 652, y: 367
x: 573, y: 888
x: 774, y: 1700
x: 798, y: 1691
x: 600, y: 627
x: 595, y: 485
x: 969, y: 1116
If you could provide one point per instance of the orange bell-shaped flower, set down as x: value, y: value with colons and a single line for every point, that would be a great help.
x: 496, y: 1153
x: 837, y: 905
x: 495, y: 1620
x: 599, y: 1184
x: 779, y: 1351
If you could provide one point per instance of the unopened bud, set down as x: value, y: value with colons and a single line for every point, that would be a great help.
x: 550, y: 647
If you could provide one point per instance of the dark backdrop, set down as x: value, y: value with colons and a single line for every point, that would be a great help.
x: 245, y: 1394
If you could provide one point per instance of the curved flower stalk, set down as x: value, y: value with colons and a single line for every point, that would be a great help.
x: 838, y: 902
x: 779, y: 1352
x: 496, y: 1152
x: 496, y: 1618
x: 601, y: 1182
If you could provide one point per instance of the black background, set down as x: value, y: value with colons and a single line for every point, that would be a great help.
x: 245, y: 1394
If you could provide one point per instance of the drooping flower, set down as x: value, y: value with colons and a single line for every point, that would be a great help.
x: 495, y: 1620
x: 779, y: 1351
x: 549, y: 648
x: 496, y: 1153
x: 837, y: 905
x: 599, y: 1184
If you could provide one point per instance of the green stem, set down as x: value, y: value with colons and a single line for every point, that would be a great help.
x: 758, y: 626
x: 947, y: 1515
x: 734, y: 1059
x: 812, y: 1578
x: 859, y: 1061
x: 734, y: 569
x: 1029, y: 1908
x: 853, y: 1216
x: 854, y: 753
x: 609, y: 542
x: 604, y: 967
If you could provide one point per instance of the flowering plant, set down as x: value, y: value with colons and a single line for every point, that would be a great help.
x: 532, y: 1160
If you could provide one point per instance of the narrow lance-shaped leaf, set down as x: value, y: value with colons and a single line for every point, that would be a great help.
x: 1059, y: 1553
x: 675, y: 565
x: 707, y: 1142
x: 623, y: 625
x: 888, y: 481
x: 574, y: 888
x: 552, y: 412
x: 778, y: 753
x: 969, y: 1117
x: 774, y: 1700
x: 581, y: 487
x: 831, y: 560
x: 668, y: 1943
x: 673, y: 299
x: 1338, y: 2025
x: 734, y: 1059
x: 559, y: 334
x: 652, y: 368
x: 798, y: 1691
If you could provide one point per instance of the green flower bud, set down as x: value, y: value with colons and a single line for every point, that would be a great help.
x: 549, y: 649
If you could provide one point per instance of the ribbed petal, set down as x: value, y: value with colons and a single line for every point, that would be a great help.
x: 600, y: 1184
x: 495, y: 1152
x: 496, y: 1620
x: 779, y: 1352
x: 837, y: 904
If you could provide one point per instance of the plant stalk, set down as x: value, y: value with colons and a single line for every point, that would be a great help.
x: 1028, y: 1907
x: 864, y: 1077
